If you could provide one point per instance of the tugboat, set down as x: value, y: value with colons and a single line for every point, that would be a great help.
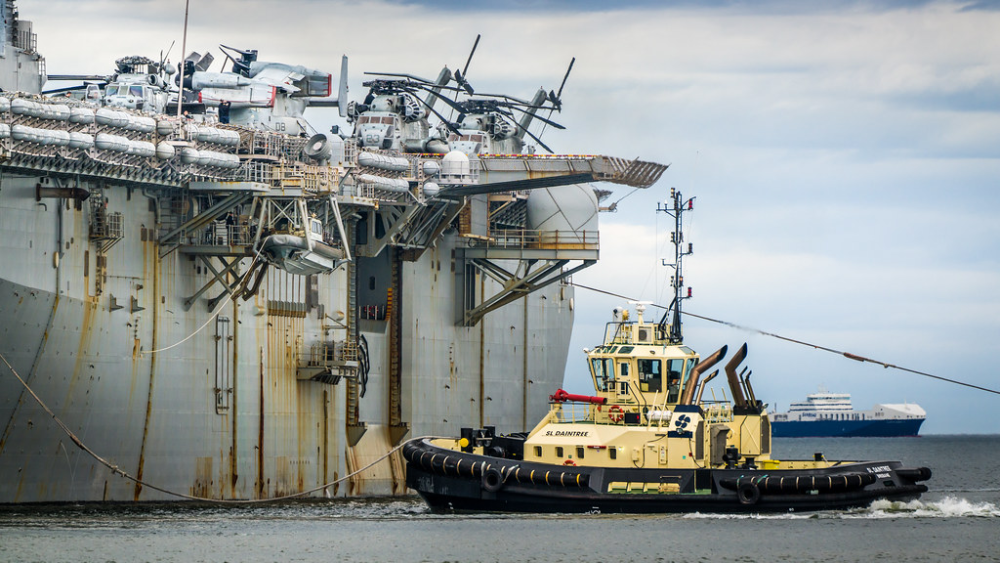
x: 647, y: 441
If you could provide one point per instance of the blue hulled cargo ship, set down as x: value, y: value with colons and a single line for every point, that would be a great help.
x: 831, y: 414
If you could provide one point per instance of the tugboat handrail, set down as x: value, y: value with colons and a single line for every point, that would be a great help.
x: 566, y: 413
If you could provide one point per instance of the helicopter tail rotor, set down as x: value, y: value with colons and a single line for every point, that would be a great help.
x: 342, y: 90
x: 556, y: 98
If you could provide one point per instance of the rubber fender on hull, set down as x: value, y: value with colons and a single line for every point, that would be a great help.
x: 450, y: 463
x: 802, y: 483
x: 492, y: 480
x: 915, y: 474
x: 748, y: 493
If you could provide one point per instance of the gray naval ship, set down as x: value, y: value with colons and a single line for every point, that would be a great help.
x: 224, y: 305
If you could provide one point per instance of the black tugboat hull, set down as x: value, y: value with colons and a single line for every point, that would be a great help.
x: 449, y: 480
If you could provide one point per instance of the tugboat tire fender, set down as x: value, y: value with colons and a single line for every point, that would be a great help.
x: 916, y: 474
x: 492, y: 480
x: 748, y: 493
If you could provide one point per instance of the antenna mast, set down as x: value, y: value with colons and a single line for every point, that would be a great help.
x: 184, y: 42
x: 675, y: 207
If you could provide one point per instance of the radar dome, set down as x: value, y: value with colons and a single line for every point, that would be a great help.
x: 455, y: 163
x: 566, y: 208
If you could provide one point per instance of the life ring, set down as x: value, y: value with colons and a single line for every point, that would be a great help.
x: 615, y: 413
x: 492, y: 480
x: 569, y: 462
x: 748, y: 493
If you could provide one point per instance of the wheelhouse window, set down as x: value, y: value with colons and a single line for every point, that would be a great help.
x: 603, y: 370
x: 675, y: 368
x: 650, y: 376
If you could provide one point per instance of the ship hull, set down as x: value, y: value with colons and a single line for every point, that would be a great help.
x: 449, y: 480
x: 209, y: 401
x: 847, y: 428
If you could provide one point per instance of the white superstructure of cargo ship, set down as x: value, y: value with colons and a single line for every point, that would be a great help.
x: 832, y: 414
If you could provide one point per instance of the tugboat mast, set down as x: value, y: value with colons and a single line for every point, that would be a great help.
x: 675, y: 207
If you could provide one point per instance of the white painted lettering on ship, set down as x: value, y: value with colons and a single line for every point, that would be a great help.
x: 880, y: 471
x: 568, y: 433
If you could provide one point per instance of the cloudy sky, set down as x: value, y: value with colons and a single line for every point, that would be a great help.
x: 845, y: 159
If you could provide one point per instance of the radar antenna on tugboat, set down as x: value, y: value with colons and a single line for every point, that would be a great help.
x: 675, y: 207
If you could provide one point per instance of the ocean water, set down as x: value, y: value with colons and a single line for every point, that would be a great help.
x: 958, y: 520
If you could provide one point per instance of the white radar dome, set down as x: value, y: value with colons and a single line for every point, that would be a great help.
x: 455, y: 163
x: 566, y: 208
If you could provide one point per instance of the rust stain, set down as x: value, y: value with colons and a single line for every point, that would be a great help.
x: 260, y: 433
x: 154, y: 341
x: 324, y: 444
x: 202, y: 486
x: 86, y: 336
x: 234, y: 476
x: 354, y: 483
x: 282, y: 476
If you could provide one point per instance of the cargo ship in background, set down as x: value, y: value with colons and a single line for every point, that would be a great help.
x: 826, y: 414
x: 229, y: 305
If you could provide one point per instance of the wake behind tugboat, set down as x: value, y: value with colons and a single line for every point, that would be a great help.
x: 647, y: 441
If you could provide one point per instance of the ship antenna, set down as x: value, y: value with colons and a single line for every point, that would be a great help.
x: 675, y: 207
x: 180, y: 93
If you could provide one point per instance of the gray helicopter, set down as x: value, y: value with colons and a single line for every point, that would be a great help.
x: 488, y: 124
x: 394, y: 115
x: 138, y: 83
x: 267, y: 95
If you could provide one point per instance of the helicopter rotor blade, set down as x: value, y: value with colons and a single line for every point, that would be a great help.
x: 460, y: 77
x: 450, y: 103
x: 66, y: 89
x: 163, y: 57
x: 529, y: 133
x: 539, y: 141
x: 573, y: 60
x: 81, y: 77
x: 540, y: 118
x: 556, y: 98
x: 401, y: 75
x: 435, y: 112
x: 465, y: 70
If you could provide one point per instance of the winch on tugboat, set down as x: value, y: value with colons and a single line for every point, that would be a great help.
x: 647, y: 440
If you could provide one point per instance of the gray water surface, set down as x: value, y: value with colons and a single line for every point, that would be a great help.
x: 959, y: 520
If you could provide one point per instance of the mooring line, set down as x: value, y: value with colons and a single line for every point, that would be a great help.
x: 847, y: 355
x: 218, y: 311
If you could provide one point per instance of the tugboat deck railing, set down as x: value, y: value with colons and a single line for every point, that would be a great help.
x: 570, y: 413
